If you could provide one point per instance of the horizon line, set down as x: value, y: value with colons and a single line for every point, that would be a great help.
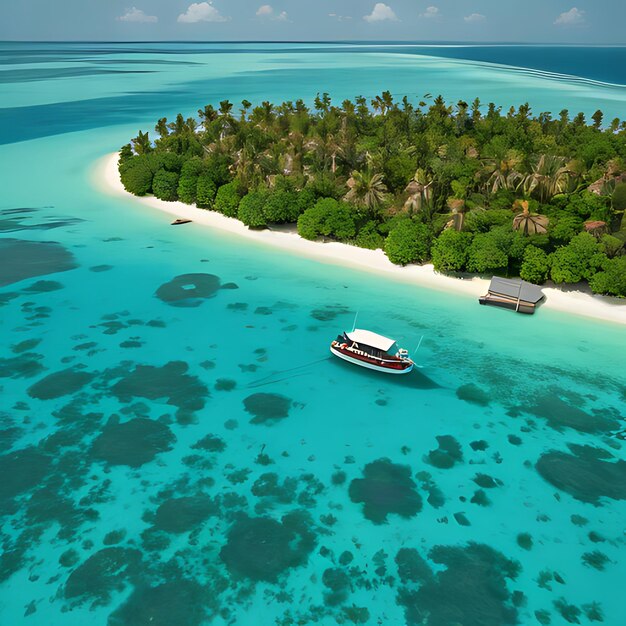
x: 321, y: 41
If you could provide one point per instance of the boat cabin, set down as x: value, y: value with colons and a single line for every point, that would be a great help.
x: 370, y: 343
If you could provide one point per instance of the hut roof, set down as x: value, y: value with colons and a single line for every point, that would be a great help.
x: 515, y: 289
x: 594, y: 225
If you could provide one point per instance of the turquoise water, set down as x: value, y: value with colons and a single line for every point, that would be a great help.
x: 187, y: 457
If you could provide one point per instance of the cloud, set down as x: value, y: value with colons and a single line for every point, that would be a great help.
x: 430, y: 12
x: 573, y: 17
x: 201, y: 12
x: 381, y: 13
x: 264, y: 10
x: 267, y: 11
x: 474, y: 17
x: 137, y: 15
x: 340, y: 18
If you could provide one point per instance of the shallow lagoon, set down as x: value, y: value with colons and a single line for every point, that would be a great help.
x: 203, y: 460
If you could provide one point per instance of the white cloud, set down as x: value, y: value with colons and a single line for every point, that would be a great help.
x: 431, y: 12
x: 201, y: 12
x: 267, y: 11
x: 339, y: 18
x: 475, y: 17
x: 264, y: 10
x: 573, y: 17
x: 137, y: 15
x: 380, y: 13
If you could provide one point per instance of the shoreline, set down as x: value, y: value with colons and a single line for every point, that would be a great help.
x: 106, y: 179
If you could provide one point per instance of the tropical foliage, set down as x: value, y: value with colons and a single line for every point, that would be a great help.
x: 470, y: 188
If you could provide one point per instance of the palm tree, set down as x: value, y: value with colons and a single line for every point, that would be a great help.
x: 245, y: 107
x: 366, y: 189
x: 207, y: 115
x: 501, y: 172
x: 225, y: 117
x: 141, y: 143
x: 420, y: 192
x: 457, y: 211
x: 162, y: 128
x: 549, y: 176
x: 529, y: 223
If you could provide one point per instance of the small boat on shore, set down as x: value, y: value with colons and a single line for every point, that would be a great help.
x: 373, y: 351
x: 179, y: 221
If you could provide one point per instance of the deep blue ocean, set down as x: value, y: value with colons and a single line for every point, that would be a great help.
x: 178, y: 448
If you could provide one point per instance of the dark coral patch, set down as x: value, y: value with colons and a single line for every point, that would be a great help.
x: 411, y: 566
x: 22, y: 470
x: 132, y: 443
x: 584, y: 474
x: 189, y: 290
x: 473, y: 394
x: 225, y: 384
x: 170, y: 381
x: 267, y: 407
x: 486, y: 482
x: 59, y: 384
x: 261, y: 548
x: 384, y: 489
x: 447, y: 454
x: 179, y: 515
x: 24, y: 366
x: 22, y: 219
x: 21, y: 259
x: 472, y: 590
x: 44, y: 286
x: 329, y: 313
x: 179, y: 602
x: 337, y: 582
x: 103, y: 573
x: 24, y: 346
x: 212, y: 443
x: 560, y: 414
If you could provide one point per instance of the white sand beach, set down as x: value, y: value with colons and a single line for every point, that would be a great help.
x: 106, y: 179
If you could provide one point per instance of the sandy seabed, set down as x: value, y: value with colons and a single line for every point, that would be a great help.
x: 106, y: 179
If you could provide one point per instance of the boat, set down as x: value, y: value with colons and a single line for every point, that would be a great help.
x: 180, y: 220
x: 373, y: 351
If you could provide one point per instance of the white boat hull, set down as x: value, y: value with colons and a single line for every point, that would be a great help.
x: 370, y: 366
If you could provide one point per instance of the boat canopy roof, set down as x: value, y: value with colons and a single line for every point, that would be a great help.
x: 526, y: 292
x: 368, y: 338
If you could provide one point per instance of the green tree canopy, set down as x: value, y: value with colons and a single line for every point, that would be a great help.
x: 611, y: 279
x: 327, y: 217
x: 205, y: 190
x: 408, y: 242
x: 535, y: 266
x: 251, y: 209
x: 578, y: 260
x: 450, y: 250
x: 165, y: 185
x: 282, y: 206
x: 228, y: 198
x: 486, y: 254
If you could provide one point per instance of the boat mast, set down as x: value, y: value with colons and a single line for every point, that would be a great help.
x: 419, y: 344
x: 354, y: 323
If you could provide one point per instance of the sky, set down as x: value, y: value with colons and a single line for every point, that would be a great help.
x: 532, y: 21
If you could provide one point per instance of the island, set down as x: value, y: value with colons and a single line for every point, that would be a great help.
x: 470, y: 188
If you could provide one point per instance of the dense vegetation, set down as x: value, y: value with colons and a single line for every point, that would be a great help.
x: 469, y: 187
